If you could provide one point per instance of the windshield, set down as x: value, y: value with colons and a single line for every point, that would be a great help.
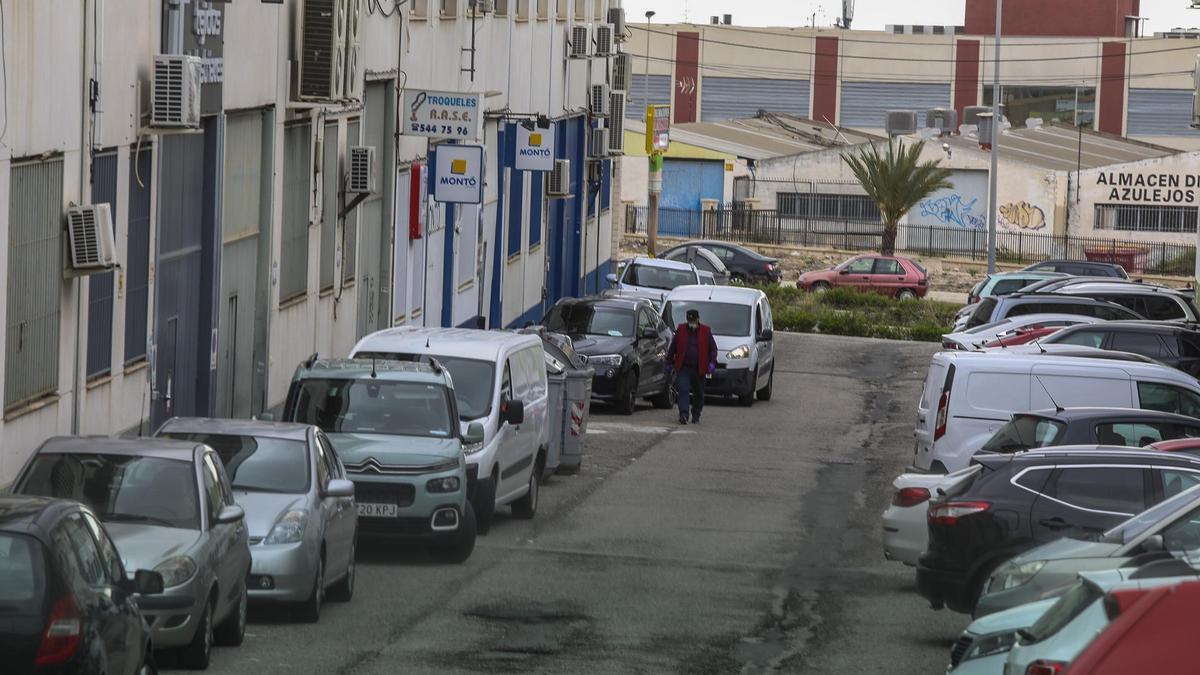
x: 375, y: 407
x: 1025, y: 432
x: 259, y: 464
x: 118, y: 488
x: 723, y: 318
x: 982, y: 313
x: 1007, y: 286
x: 576, y: 318
x: 662, y: 278
x: 473, y: 380
x: 1070, y: 605
x: 22, y: 574
x: 1136, y: 526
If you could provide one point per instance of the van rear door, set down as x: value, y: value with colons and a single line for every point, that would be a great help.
x: 935, y: 381
x: 1071, y: 386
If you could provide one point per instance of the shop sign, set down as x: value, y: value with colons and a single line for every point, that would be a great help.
x: 535, y: 149
x: 1149, y: 188
x: 658, y: 128
x: 443, y: 114
x: 458, y: 174
x: 197, y: 28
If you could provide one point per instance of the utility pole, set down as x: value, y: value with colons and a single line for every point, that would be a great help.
x: 654, y: 184
x: 993, y: 175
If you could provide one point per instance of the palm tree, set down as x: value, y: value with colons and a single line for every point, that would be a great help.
x: 896, y: 182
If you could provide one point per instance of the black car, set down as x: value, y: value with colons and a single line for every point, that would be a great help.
x: 1175, y: 345
x: 624, y: 341
x: 1134, y: 428
x: 66, y: 605
x: 1080, y: 268
x: 744, y: 265
x: 1016, y: 502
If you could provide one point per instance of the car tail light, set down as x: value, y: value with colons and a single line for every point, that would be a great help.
x: 922, y: 281
x: 949, y: 344
x: 910, y: 496
x: 1043, y: 667
x: 948, y: 513
x: 943, y: 413
x: 60, y: 640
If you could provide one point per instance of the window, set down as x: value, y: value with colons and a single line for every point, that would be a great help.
x: 721, y: 317
x: 589, y: 319
x: 1160, y: 308
x: 918, y: 30
x: 598, y: 10
x: 22, y: 574
x: 325, y: 447
x: 1008, y: 286
x: 506, y: 385
x: 1143, y: 218
x: 1146, y: 344
x: 1110, y: 489
x: 1175, y: 482
x: 449, y: 9
x: 1133, y: 434
x: 329, y: 204
x: 108, y: 552
x: 91, y: 565
x: 898, y: 30
x: 258, y: 464
x: 860, y: 266
x: 535, y: 209
x: 1083, y: 338
x: 1051, y: 104
x: 1025, y: 432
x: 1184, y: 533
x: 645, y: 322
x: 297, y: 164
x: 137, y: 262
x: 323, y: 472
x: 502, y: 7
x: 833, y: 207
x: 1191, y: 347
x: 35, y: 224
x: 1166, y: 398
x: 939, y: 30
x: 522, y: 10
x: 375, y: 406
x: 1034, y: 479
x: 886, y: 266
x: 419, y: 9
x: 560, y: 10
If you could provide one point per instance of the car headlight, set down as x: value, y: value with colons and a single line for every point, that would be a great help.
x: 176, y: 571
x: 289, y: 529
x: 472, y: 448
x: 447, y: 484
x: 1011, y: 575
x: 614, y: 360
x: 742, y: 352
x: 989, y: 645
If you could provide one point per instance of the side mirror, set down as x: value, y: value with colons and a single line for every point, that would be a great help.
x: 147, y: 582
x: 229, y: 514
x: 513, y: 412
x: 649, y: 334
x: 766, y: 336
x: 612, y: 278
x: 475, y: 434
x: 1153, y: 544
x: 339, y: 487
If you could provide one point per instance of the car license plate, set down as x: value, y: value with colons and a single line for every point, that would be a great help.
x: 378, y: 510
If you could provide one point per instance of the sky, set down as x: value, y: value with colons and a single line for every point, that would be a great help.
x: 868, y: 15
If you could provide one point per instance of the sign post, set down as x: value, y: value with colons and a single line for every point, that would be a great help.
x: 658, y: 139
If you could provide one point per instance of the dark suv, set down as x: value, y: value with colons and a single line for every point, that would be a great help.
x: 1157, y: 303
x: 1085, y: 426
x: 625, y: 342
x: 1176, y: 345
x: 993, y: 309
x: 1019, y: 501
x: 1080, y: 268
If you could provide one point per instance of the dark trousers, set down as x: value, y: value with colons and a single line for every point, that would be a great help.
x: 689, y: 383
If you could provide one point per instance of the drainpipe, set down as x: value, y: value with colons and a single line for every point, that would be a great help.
x: 85, y: 157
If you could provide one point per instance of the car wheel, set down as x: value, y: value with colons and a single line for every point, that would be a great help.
x: 747, y: 399
x: 343, y: 590
x: 627, y: 403
x: 310, y: 610
x: 526, y: 507
x: 485, y: 502
x: 820, y: 287
x: 196, y: 654
x: 665, y: 399
x: 232, y: 631
x: 458, y: 548
x: 905, y: 294
x: 764, y: 394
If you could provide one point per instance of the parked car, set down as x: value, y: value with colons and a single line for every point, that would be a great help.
x: 66, y: 601
x: 990, y: 310
x: 1168, y: 530
x: 744, y: 330
x: 1017, y: 502
x: 983, y: 647
x: 968, y: 396
x: 905, y: 526
x: 704, y: 260
x: 1022, y: 336
x: 744, y: 265
x: 1006, y: 283
x: 1157, y: 303
x: 1175, y: 345
x: 889, y: 275
x: 299, y: 507
x: 626, y: 344
x: 653, y: 278
x: 490, y: 370
x: 168, y: 507
x: 1079, y: 268
x: 395, y: 426
x: 1188, y: 445
x: 977, y: 337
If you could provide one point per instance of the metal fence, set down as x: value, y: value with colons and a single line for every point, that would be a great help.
x: 769, y: 227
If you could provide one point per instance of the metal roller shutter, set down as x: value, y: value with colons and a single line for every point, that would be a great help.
x: 724, y: 98
x: 865, y: 104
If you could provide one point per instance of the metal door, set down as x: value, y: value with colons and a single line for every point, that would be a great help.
x: 374, y: 238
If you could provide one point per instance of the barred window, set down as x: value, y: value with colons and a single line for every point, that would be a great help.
x: 826, y: 206
x: 1140, y: 218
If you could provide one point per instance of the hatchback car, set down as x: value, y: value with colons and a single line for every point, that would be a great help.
x: 744, y: 265
x: 625, y: 343
x: 1176, y: 345
x: 299, y: 507
x: 653, y: 278
x: 66, y: 602
x: 889, y: 275
x: 1080, y: 268
x: 169, y: 507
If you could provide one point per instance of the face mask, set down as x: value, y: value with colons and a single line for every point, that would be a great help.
x: 693, y: 324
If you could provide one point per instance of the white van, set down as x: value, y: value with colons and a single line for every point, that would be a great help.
x: 969, y: 395
x: 500, y: 382
x: 741, y: 323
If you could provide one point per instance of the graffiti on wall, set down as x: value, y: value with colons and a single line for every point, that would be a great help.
x: 1022, y: 216
x: 953, y: 210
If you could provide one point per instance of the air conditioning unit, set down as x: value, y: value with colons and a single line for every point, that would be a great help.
x: 362, y: 170
x: 622, y: 71
x: 901, y: 122
x: 945, y: 120
x: 558, y: 184
x: 616, y: 16
x: 616, y: 123
x: 175, y: 92
x: 971, y: 114
x: 322, y: 50
x: 605, y: 46
x: 91, y: 232
x: 598, y: 100
x: 598, y: 147
x: 354, y: 25
x: 579, y: 42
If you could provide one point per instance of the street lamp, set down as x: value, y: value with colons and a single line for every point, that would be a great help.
x: 646, y: 72
x: 993, y: 175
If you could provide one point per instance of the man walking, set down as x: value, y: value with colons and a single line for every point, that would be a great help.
x: 693, y: 356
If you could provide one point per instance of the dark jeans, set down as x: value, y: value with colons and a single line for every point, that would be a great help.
x: 690, y: 385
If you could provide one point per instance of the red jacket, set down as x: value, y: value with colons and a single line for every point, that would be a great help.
x: 707, y: 346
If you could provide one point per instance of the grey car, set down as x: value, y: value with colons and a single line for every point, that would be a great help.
x: 168, y: 507
x: 299, y: 507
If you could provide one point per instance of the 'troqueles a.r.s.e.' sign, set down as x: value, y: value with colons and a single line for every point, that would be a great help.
x: 535, y: 149
x: 442, y: 114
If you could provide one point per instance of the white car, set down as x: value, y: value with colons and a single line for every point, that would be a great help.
x: 905, y: 530
x: 975, y: 338
x: 653, y: 278
x: 983, y: 647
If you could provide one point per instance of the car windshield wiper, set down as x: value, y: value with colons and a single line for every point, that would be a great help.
x: 137, y: 518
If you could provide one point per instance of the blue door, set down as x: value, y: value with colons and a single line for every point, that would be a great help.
x: 687, y: 181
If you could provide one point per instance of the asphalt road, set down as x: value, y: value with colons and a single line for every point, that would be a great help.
x: 748, y: 544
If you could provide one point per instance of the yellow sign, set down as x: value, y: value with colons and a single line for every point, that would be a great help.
x: 658, y: 128
x: 458, y: 167
x: 535, y: 140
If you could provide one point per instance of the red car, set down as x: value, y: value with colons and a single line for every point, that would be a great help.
x: 889, y: 275
x: 1152, y: 630
x: 1023, y: 336
x: 1188, y: 445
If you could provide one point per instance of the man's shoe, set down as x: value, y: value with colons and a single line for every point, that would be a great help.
x: 695, y: 419
x: 682, y: 419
